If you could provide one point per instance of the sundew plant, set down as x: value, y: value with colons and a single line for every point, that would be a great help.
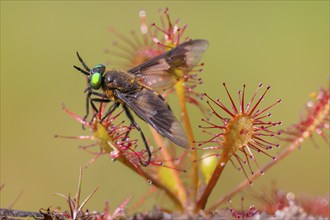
x: 237, y: 130
x: 235, y: 134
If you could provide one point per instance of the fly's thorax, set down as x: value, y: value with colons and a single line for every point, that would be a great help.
x: 121, y: 81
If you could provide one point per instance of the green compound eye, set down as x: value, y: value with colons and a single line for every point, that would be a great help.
x: 96, y: 80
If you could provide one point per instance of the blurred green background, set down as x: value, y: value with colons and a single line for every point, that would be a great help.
x: 284, y: 44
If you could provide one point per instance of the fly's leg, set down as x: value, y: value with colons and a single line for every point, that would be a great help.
x: 127, y: 133
x: 90, y: 100
x: 88, y: 97
x: 110, y: 110
x: 130, y: 117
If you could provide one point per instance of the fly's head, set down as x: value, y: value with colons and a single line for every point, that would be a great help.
x: 96, y: 76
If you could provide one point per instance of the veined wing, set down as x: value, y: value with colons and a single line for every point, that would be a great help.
x: 152, y: 108
x: 166, y: 69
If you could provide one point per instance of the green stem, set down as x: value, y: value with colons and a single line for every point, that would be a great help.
x: 213, y: 181
x: 179, y: 187
x: 154, y: 181
x: 193, y: 153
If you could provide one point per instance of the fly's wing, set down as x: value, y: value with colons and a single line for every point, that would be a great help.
x: 166, y: 69
x: 152, y: 108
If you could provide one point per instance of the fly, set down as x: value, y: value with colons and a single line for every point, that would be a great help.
x: 137, y: 90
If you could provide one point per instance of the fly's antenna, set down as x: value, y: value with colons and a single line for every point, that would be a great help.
x: 81, y: 70
x: 82, y: 62
x: 87, y: 69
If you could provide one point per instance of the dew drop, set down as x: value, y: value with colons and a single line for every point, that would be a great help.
x: 142, y: 13
x: 290, y: 196
x: 222, y: 164
x: 149, y: 182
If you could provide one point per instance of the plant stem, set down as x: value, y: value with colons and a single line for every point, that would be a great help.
x: 213, y: 181
x: 193, y: 154
x: 18, y: 214
x: 180, y: 189
x: 295, y: 144
x: 153, y: 180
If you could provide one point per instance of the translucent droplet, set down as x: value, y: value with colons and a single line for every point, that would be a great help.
x: 142, y: 13
x: 222, y: 164
x: 149, y: 181
x: 290, y: 196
